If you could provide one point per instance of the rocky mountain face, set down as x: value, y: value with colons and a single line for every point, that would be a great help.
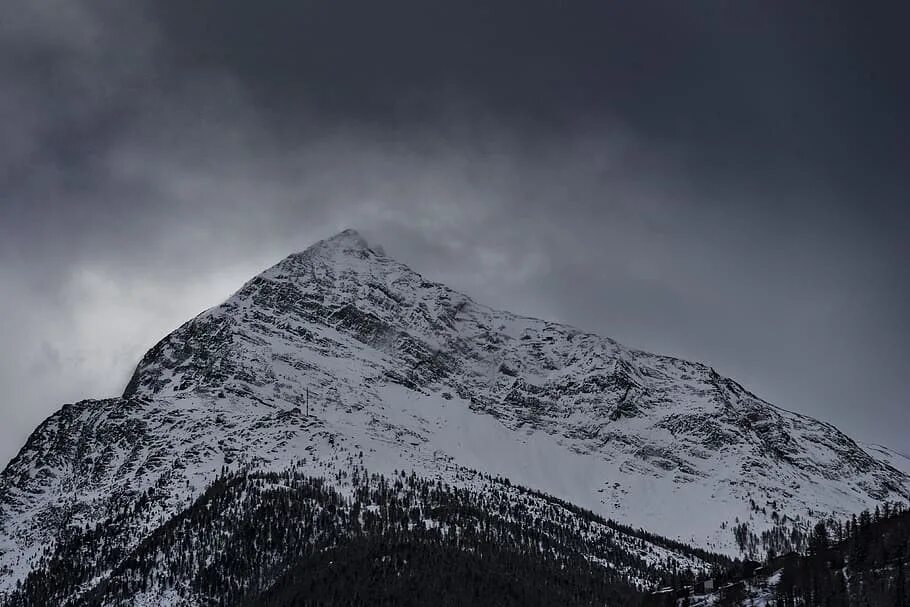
x: 340, y: 351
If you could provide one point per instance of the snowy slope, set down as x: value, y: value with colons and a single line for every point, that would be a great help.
x: 893, y: 458
x: 419, y: 377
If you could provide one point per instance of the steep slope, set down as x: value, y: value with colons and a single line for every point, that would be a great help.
x: 416, y: 376
x: 896, y: 460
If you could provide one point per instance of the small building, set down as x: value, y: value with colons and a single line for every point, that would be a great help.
x: 750, y: 568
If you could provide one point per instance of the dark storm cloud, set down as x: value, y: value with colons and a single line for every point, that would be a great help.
x: 741, y: 82
x: 725, y: 183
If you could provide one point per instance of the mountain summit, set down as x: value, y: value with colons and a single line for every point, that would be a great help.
x: 346, y: 240
x: 340, y: 352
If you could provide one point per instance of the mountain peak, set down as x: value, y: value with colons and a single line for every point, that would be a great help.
x: 348, y: 239
x: 346, y: 249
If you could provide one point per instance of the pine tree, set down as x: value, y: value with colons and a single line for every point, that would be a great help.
x: 819, y: 540
x: 900, y: 590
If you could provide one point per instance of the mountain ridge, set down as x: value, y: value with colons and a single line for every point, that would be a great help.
x: 340, y: 349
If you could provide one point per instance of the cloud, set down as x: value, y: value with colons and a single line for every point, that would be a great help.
x: 150, y: 167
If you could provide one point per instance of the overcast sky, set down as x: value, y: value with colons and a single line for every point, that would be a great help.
x: 722, y: 181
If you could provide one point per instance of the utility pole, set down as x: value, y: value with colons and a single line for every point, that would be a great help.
x: 307, y: 401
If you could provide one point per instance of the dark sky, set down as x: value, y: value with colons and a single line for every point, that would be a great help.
x: 722, y: 181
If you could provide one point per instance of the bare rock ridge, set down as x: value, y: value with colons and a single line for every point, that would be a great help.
x: 340, y: 351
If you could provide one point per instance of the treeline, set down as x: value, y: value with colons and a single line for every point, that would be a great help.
x: 715, y: 560
x: 787, y: 534
x: 283, y: 539
x: 858, y: 562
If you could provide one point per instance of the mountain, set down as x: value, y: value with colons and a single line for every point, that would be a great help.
x: 339, y: 355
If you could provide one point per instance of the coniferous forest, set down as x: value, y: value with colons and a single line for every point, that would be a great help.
x: 859, y: 562
x: 285, y: 539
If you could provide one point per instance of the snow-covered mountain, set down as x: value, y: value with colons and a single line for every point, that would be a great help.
x: 340, y: 351
x: 891, y: 457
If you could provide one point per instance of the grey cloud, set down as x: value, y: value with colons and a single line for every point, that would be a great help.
x: 156, y: 157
